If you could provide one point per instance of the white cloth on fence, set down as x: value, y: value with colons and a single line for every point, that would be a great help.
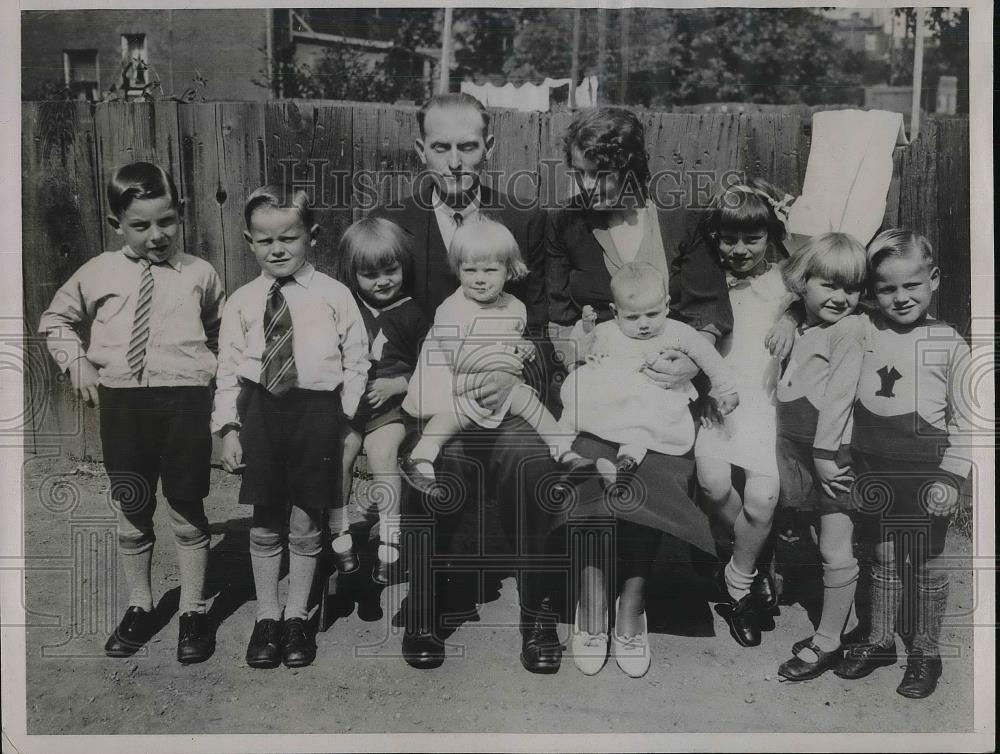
x: 848, y: 174
x: 529, y: 96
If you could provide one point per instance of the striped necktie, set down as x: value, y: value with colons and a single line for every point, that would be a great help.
x: 277, y: 371
x: 140, y: 326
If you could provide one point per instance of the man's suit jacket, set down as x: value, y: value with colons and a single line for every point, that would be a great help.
x: 578, y: 276
x: 433, y: 279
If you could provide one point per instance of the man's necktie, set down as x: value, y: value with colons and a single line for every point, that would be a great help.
x: 140, y: 324
x: 458, y: 219
x: 277, y: 371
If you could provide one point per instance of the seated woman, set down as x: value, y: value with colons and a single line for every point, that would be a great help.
x: 612, y: 221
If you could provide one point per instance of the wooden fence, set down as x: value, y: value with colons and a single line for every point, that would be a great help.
x: 354, y: 156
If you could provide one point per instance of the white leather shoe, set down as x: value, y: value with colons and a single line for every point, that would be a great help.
x: 632, y: 652
x: 590, y: 651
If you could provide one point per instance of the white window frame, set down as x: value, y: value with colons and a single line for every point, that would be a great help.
x: 142, y: 54
x: 68, y: 71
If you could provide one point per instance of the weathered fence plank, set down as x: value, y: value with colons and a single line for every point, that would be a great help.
x: 384, y: 158
x: 199, y: 183
x: 953, y: 223
x: 242, y: 168
x: 62, y: 224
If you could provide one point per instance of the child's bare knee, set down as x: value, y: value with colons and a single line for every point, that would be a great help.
x: 715, y: 479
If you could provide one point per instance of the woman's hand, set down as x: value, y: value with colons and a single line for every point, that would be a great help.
x: 526, y: 350
x: 383, y: 388
x: 671, y: 369
x: 833, y: 478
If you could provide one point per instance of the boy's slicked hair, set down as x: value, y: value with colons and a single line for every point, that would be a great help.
x: 371, y: 244
x: 838, y: 257
x: 486, y: 239
x: 139, y: 180
x: 615, y: 139
x: 453, y: 100
x: 897, y: 242
x: 278, y: 196
x: 635, y: 278
x: 746, y: 207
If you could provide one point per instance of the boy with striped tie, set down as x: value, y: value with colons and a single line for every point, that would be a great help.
x: 293, y: 358
x: 153, y: 314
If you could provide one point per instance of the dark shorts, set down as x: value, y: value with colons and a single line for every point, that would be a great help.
x: 368, y: 421
x: 291, y: 447
x: 151, y: 434
x: 890, y: 495
x: 800, y: 487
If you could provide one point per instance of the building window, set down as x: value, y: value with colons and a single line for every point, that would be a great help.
x: 82, y: 74
x: 135, y: 61
x: 871, y: 43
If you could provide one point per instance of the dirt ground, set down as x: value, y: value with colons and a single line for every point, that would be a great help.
x: 700, y: 679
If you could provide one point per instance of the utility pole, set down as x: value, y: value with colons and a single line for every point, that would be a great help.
x: 443, y: 84
x: 918, y: 73
x: 574, y: 75
x: 626, y: 21
x: 602, y: 52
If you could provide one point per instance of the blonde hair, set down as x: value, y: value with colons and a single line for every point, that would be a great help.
x: 486, y: 239
x: 278, y: 196
x: 634, y: 279
x: 371, y: 244
x: 896, y: 242
x: 838, y: 257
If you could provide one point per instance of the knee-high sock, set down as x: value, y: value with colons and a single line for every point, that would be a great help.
x: 137, y: 566
x: 932, y: 601
x: 839, y: 583
x: 301, y: 572
x: 886, y: 591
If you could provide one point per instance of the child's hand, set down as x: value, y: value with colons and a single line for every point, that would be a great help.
x: 707, y: 410
x: 942, y: 499
x: 526, y: 350
x: 232, y: 452
x: 83, y: 376
x: 780, y: 338
x: 382, y: 389
x: 729, y: 402
x: 833, y: 478
x: 588, y: 318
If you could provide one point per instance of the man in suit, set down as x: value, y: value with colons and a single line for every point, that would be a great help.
x: 502, y: 468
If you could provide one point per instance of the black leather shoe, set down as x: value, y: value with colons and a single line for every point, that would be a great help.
x: 382, y: 572
x: 297, y: 648
x: 864, y: 659
x: 136, y: 628
x: 921, y: 676
x: 422, y: 649
x: 797, y: 669
x: 264, y: 649
x: 195, y: 641
x: 541, y: 650
x: 345, y: 562
x: 741, y: 615
x: 763, y: 590
x: 419, y: 480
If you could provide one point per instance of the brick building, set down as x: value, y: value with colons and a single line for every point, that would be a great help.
x: 88, y: 51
